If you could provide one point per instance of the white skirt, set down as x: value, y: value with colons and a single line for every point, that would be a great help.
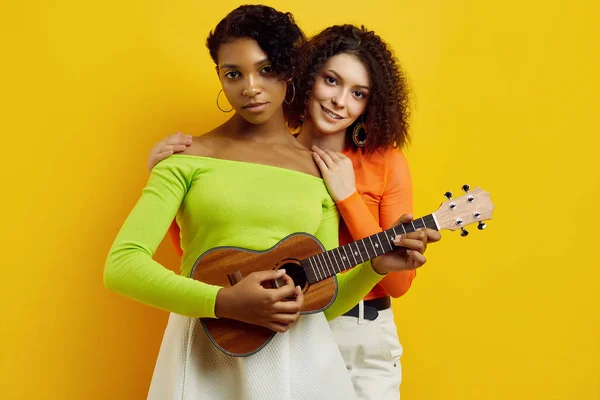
x: 303, y: 363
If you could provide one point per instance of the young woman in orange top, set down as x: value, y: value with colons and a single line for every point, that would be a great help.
x: 351, y: 108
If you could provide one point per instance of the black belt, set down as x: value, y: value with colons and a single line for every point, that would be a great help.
x: 372, y: 308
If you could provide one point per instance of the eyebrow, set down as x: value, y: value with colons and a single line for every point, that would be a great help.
x: 339, y: 77
x: 233, y: 66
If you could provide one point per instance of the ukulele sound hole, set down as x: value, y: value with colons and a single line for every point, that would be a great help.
x: 295, y: 271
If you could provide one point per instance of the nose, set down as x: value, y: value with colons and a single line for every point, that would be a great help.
x: 339, y: 101
x: 251, y: 88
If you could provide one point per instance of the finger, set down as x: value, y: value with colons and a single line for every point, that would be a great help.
x: 411, y: 244
x: 316, y: 149
x: 288, y: 280
x: 333, y: 155
x: 416, y: 235
x: 299, y: 298
x: 175, y: 148
x: 286, y: 307
x: 283, y: 292
x: 163, y: 154
x: 418, y: 259
x: 173, y: 139
x: 320, y: 152
x: 262, y: 276
x: 345, y: 160
x: 179, y: 138
x: 432, y: 235
x: 278, y: 327
x: 325, y: 157
x: 178, y: 148
x: 401, y: 240
x: 320, y: 163
x: 403, y: 219
x: 285, y: 318
x: 156, y: 158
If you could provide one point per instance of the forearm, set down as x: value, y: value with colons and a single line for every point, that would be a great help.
x: 357, y: 216
x: 398, y: 283
x: 353, y: 286
x: 132, y: 272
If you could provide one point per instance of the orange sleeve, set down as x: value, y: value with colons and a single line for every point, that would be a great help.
x: 174, y: 236
x: 397, y: 199
x: 358, y: 218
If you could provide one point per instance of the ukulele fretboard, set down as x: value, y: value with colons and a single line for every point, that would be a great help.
x: 329, y: 263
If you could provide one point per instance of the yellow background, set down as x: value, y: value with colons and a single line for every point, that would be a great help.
x: 505, y: 97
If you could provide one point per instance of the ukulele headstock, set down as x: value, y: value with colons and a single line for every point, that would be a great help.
x: 474, y: 206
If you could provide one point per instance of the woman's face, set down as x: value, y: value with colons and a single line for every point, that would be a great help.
x: 340, y: 94
x: 248, y: 81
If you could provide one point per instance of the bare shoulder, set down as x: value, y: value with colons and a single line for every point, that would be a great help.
x: 305, y: 161
x: 205, y: 145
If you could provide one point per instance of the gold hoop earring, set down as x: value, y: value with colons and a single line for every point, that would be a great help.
x: 293, y: 94
x: 218, y: 106
x: 359, y: 135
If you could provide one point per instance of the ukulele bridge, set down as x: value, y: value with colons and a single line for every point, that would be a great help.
x: 235, y: 277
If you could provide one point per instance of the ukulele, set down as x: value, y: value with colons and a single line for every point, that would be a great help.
x: 313, y: 269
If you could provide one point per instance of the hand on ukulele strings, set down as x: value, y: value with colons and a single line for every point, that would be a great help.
x: 337, y: 172
x: 170, y: 145
x: 248, y: 301
x: 411, y: 247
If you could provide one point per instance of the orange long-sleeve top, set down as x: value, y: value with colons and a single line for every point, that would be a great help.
x: 383, y: 194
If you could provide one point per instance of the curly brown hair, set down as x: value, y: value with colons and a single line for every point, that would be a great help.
x: 276, y: 33
x: 387, y: 111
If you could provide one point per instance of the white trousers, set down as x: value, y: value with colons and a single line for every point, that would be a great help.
x: 371, y: 351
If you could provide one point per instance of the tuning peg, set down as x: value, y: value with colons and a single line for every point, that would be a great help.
x: 466, y: 188
x: 463, y: 232
x: 448, y: 195
x: 481, y: 226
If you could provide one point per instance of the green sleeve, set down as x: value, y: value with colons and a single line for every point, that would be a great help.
x: 130, y: 269
x: 353, y: 285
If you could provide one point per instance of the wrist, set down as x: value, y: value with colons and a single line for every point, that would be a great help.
x: 344, y: 196
x: 223, y: 303
x: 377, y: 267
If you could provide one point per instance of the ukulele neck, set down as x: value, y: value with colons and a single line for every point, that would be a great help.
x: 329, y: 263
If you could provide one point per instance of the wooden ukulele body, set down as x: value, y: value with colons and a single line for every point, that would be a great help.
x: 225, y: 266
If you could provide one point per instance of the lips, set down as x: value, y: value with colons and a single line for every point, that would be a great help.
x: 250, y: 106
x: 331, y: 113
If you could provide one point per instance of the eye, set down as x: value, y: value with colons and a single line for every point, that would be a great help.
x: 267, y: 70
x: 331, y: 80
x: 358, y: 94
x: 232, y: 75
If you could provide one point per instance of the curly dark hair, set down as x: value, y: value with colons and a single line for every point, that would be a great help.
x: 275, y: 32
x: 387, y: 111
